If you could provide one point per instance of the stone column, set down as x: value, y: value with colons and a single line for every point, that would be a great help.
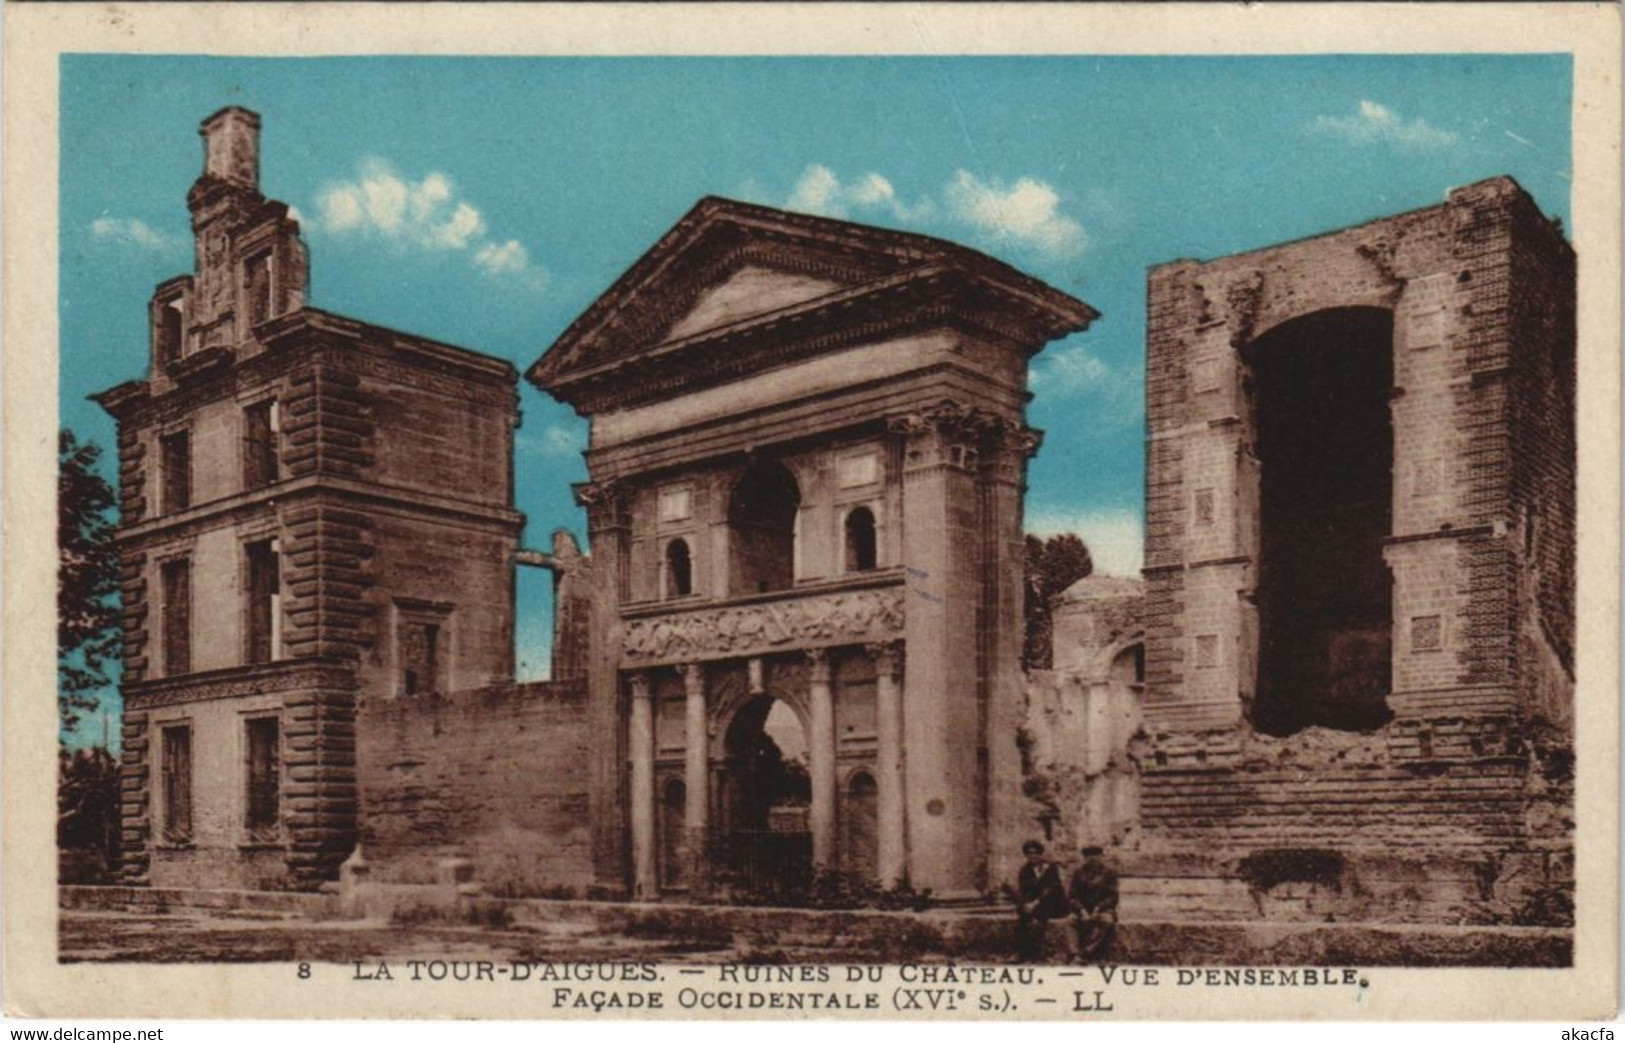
x: 645, y: 884
x: 944, y: 727
x: 893, y: 853
x: 821, y: 757
x: 696, y: 772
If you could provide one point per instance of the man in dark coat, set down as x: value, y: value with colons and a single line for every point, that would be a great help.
x: 1040, y: 901
x: 1093, y: 897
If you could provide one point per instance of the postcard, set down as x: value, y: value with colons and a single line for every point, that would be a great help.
x: 866, y: 512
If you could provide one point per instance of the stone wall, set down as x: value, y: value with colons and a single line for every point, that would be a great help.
x: 1077, y: 739
x: 495, y: 776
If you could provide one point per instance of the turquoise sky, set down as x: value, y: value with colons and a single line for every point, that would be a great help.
x: 488, y: 201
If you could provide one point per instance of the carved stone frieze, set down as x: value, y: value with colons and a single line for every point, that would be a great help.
x: 850, y: 618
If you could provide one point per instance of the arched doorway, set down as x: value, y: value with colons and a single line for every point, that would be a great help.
x: 766, y: 795
x: 673, y: 848
x: 762, y: 530
x: 1325, y: 446
x: 860, y: 819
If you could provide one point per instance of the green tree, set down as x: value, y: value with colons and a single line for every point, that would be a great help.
x: 87, y: 579
x: 87, y: 816
x: 1052, y: 566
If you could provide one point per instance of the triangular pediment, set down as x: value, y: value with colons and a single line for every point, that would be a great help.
x: 750, y: 291
x: 731, y: 270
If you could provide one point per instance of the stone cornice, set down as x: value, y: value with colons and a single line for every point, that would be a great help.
x: 1469, y: 532
x: 232, y: 682
x: 859, y: 409
x: 295, y: 490
x: 295, y: 325
x: 928, y: 297
x: 125, y: 398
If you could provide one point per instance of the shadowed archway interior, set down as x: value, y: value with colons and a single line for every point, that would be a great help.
x: 766, y: 790
x: 1325, y: 443
x: 762, y: 530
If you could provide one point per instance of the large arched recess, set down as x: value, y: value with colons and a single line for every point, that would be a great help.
x: 1321, y: 390
x: 762, y: 530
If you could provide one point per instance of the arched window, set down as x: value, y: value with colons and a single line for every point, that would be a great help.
x: 860, y: 540
x: 762, y: 530
x: 1128, y: 667
x: 679, y: 569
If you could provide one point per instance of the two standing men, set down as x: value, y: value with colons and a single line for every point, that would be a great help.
x: 1078, y: 920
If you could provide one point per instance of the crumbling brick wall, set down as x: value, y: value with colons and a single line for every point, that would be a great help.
x: 496, y: 776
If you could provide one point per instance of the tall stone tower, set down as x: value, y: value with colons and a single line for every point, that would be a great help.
x: 313, y: 511
x: 1359, y: 614
x: 807, y: 460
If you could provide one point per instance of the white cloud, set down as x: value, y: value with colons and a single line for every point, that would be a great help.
x: 427, y: 214
x: 1074, y: 372
x: 510, y: 256
x: 1115, y: 536
x: 1068, y: 369
x: 1376, y: 124
x: 131, y: 231
x: 1026, y: 214
x: 820, y: 191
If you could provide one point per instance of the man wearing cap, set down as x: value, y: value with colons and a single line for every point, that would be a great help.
x: 1040, y: 901
x: 1093, y: 897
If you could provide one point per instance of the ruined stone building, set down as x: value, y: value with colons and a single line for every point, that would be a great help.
x: 1343, y: 687
x: 1357, y: 628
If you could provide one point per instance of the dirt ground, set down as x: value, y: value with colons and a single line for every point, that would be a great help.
x: 189, y: 936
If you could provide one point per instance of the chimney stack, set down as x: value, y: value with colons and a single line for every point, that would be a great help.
x: 231, y: 147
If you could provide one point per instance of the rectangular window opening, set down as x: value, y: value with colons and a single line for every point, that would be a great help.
x: 421, y: 653
x: 263, y: 818
x: 260, y: 445
x: 257, y: 284
x: 177, y: 781
x: 175, y: 451
x: 169, y: 333
x: 264, y: 602
x: 177, y: 617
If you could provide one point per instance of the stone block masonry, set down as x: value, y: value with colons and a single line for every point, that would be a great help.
x: 495, y: 776
x: 314, y: 512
